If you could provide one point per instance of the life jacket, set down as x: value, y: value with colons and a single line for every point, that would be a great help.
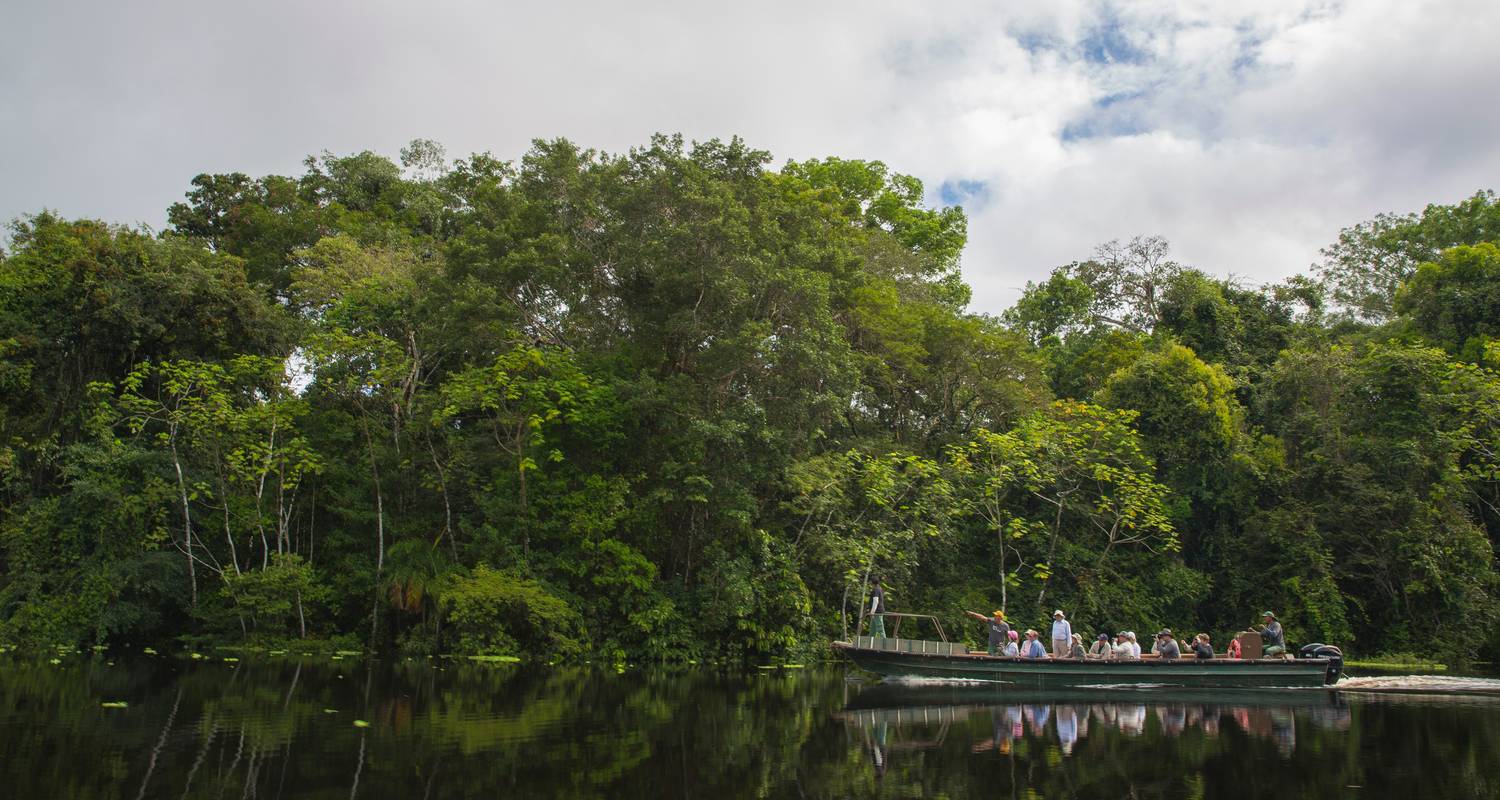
x: 1234, y: 648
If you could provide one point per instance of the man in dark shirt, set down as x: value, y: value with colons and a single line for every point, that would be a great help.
x: 877, y: 610
x: 999, y: 630
x: 1166, y: 646
x: 1201, y: 646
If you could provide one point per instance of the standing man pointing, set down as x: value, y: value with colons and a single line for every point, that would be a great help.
x: 999, y: 631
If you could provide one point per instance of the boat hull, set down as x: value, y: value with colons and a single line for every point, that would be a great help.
x: 895, y: 658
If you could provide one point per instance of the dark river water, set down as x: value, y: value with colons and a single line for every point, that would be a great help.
x: 273, y: 728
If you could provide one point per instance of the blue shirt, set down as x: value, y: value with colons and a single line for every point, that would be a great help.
x: 1034, y: 649
x: 1273, y: 635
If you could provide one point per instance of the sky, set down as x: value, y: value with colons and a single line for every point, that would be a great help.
x: 1246, y: 132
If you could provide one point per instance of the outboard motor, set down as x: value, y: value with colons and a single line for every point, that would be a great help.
x: 1334, y: 655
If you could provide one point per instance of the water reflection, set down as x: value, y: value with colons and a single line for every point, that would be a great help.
x: 310, y: 728
x: 1066, y: 723
x: 1159, y: 744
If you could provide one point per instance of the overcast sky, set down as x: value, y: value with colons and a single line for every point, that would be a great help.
x: 1247, y: 132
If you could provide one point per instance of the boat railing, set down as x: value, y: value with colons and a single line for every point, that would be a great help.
x: 894, y: 620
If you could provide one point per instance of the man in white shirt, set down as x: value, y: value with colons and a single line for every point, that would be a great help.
x: 1062, y: 635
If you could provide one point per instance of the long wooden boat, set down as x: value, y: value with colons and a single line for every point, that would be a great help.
x: 920, y: 658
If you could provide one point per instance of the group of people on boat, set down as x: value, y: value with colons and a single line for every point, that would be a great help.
x: 1005, y: 640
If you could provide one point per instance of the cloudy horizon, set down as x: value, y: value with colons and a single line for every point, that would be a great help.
x: 1246, y: 134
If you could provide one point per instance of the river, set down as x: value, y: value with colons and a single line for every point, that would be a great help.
x: 92, y: 727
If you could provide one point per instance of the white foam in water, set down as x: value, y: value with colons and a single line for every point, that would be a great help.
x: 1421, y: 684
x: 1125, y: 685
x: 912, y: 680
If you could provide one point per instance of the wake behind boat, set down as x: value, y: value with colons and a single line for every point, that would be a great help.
x: 925, y: 658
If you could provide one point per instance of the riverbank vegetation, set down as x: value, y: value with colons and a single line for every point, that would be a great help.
x: 677, y: 403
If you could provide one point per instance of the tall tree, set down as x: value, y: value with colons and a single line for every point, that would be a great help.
x: 1455, y: 300
x: 1370, y: 261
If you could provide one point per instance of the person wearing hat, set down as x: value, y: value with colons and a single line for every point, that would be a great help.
x: 1012, y: 648
x: 998, y: 629
x: 1033, y: 647
x: 1062, y: 635
x: 1272, y: 635
x: 1101, y: 647
x: 1166, y: 647
x: 1075, y: 648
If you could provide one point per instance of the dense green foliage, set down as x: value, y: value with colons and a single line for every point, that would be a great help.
x: 672, y: 403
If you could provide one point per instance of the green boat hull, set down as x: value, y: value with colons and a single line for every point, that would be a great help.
x: 905, y: 658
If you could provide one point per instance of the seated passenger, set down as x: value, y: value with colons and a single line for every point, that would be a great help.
x: 1033, y: 647
x: 1234, y: 648
x: 1201, y: 646
x: 1075, y: 647
x: 1101, y: 647
x: 1010, y: 647
x: 1272, y: 635
x: 1166, y: 647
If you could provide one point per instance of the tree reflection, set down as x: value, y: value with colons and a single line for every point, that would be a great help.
x: 448, y: 729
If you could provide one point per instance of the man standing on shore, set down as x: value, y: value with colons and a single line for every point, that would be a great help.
x: 1062, y: 635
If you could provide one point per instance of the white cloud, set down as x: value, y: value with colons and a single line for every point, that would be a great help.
x: 1248, y: 134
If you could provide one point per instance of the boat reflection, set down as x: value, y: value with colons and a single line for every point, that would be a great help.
x: 892, y: 718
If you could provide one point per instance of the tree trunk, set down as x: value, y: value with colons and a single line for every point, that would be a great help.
x: 379, y: 534
x: 525, y: 517
x: 1051, y: 553
x: 234, y: 556
x: 301, y: 620
x: 260, y: 492
x: 187, y: 517
x: 1004, y: 576
x: 447, y: 506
